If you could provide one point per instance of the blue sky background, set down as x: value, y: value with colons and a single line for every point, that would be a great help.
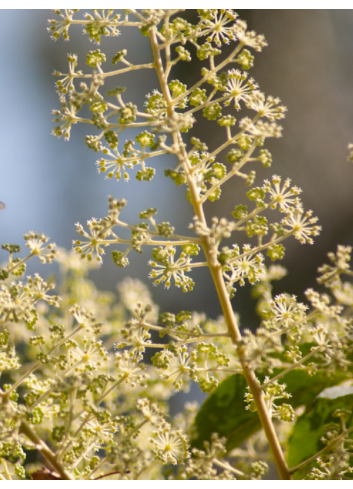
x: 48, y: 184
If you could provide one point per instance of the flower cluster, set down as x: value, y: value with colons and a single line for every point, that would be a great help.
x: 78, y: 384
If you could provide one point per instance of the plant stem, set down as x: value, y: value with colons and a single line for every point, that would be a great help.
x: 44, y: 450
x: 250, y: 376
x: 216, y: 270
x: 227, y: 466
x: 324, y: 450
x: 289, y: 369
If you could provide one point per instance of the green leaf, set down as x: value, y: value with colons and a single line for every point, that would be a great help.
x: 305, y: 388
x: 224, y: 411
x: 305, y: 440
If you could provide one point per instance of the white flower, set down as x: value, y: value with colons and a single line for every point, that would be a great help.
x: 302, y: 225
x: 286, y: 198
x: 170, y: 446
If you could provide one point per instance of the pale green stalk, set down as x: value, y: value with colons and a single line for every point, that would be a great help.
x: 216, y: 273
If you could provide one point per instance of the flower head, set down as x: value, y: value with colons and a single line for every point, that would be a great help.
x: 170, y: 446
x: 302, y: 225
x: 239, y: 87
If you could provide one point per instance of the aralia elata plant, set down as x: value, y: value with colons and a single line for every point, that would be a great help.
x: 74, y: 385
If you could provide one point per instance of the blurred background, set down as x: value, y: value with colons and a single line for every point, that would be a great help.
x: 48, y: 184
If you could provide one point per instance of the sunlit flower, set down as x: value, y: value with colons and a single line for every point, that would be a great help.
x: 286, y: 198
x: 301, y: 224
x: 37, y: 244
x: 249, y: 38
x: 91, y: 357
x: 104, y: 433
x: 215, y: 26
x: 250, y: 267
x: 239, y: 87
x: 170, y: 446
x: 286, y: 309
x: 94, y: 244
x: 266, y: 106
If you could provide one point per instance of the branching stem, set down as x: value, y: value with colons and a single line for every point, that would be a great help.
x: 45, y: 450
x: 216, y: 270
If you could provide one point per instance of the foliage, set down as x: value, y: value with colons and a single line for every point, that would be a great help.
x: 75, y: 387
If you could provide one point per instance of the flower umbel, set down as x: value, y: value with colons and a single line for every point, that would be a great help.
x: 170, y: 446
